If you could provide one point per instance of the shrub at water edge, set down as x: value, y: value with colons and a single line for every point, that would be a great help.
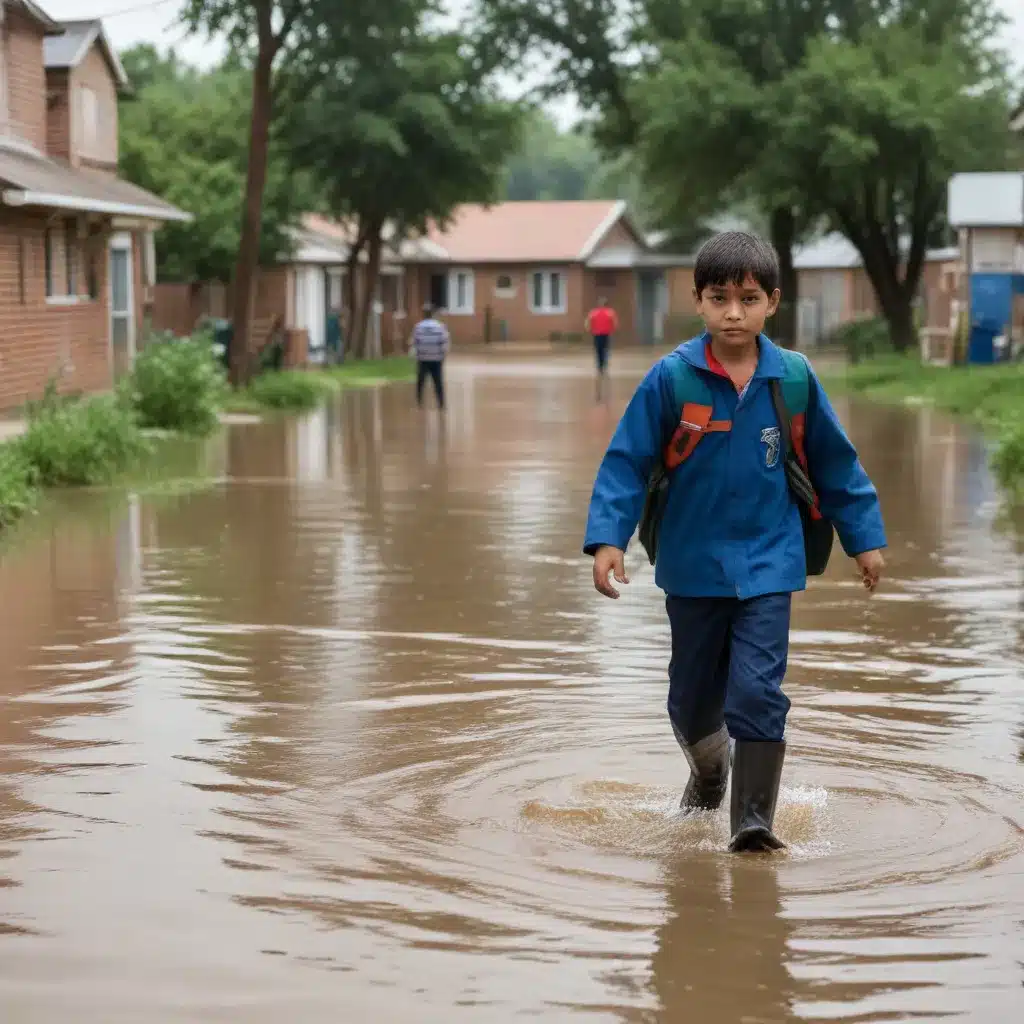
x: 82, y: 443
x: 177, y: 384
x: 291, y: 389
x: 1008, y: 460
x: 18, y: 490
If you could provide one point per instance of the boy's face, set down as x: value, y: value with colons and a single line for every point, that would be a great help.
x: 735, y: 313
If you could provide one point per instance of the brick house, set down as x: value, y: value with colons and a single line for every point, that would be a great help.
x: 76, y: 242
x: 530, y: 271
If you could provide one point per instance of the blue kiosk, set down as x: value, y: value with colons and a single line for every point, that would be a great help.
x: 987, y: 209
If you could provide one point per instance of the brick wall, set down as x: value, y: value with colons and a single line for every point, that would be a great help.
x: 41, y: 340
x: 58, y: 115
x: 26, y: 78
x: 94, y: 73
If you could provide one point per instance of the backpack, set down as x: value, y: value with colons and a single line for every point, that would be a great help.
x: 693, y: 398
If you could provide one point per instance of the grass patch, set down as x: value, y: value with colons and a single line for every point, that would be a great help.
x: 368, y: 372
x: 291, y: 389
x: 992, y: 395
x: 301, y: 390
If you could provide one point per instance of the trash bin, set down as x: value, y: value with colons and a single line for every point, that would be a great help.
x: 335, y: 342
x: 982, y: 348
x: 223, y: 332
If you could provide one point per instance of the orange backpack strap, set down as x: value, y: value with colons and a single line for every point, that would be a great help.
x: 693, y: 399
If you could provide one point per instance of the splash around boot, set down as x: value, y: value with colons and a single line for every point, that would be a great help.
x: 734, y: 465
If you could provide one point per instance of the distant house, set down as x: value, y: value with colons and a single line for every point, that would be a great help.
x: 76, y: 242
x: 834, y: 288
x: 530, y: 271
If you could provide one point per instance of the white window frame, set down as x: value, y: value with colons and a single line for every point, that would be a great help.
x: 122, y: 241
x: 547, y: 307
x: 505, y: 293
x: 467, y: 307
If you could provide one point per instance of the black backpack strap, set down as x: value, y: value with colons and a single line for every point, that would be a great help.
x: 795, y: 475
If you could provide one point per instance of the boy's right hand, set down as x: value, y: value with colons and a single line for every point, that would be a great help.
x: 607, y: 560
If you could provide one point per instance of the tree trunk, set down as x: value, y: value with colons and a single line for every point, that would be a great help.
x: 373, y: 258
x: 783, y: 232
x: 242, y: 360
x: 899, y: 315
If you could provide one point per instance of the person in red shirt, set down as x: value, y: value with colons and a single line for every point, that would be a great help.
x: 602, y: 323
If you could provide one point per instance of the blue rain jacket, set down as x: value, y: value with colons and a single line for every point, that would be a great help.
x: 731, y: 526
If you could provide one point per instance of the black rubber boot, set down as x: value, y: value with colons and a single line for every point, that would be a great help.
x: 709, y: 771
x: 757, y: 772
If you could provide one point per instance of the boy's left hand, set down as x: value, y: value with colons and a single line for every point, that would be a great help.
x: 871, y: 565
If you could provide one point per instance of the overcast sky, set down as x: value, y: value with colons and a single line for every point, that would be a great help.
x: 156, y: 21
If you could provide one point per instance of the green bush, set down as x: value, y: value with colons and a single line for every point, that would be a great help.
x: 177, y: 385
x: 1008, y: 459
x: 291, y: 389
x: 863, y: 338
x: 82, y: 443
x: 18, y: 489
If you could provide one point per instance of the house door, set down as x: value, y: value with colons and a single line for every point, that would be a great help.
x: 647, y: 307
x: 833, y: 301
x: 311, y: 308
x: 122, y: 304
x: 439, y: 291
x: 808, y: 322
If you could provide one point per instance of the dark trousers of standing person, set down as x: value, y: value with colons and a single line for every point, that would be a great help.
x: 431, y: 368
x: 725, y: 681
x: 601, y: 343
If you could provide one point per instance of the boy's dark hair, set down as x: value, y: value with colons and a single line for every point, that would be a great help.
x: 729, y: 257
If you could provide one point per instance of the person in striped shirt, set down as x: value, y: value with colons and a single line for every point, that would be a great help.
x: 430, y: 344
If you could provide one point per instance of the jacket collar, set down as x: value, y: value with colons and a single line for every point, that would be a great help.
x: 769, y: 363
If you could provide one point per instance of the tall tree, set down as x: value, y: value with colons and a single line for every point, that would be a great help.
x: 270, y: 32
x: 398, y: 140
x: 181, y: 138
x: 873, y: 130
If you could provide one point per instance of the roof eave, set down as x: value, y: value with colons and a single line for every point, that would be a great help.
x: 617, y: 212
x: 38, y: 15
x: 26, y: 197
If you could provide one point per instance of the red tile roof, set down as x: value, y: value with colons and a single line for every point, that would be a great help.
x: 527, y: 232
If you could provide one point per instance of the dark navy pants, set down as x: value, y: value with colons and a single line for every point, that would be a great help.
x: 434, y: 369
x: 601, y: 343
x: 728, y: 663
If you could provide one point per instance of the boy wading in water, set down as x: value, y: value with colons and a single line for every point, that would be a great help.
x: 731, y: 449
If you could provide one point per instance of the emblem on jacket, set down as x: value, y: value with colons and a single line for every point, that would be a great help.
x: 770, y: 437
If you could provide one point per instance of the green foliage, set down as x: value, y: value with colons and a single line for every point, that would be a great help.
x: 423, y: 105
x: 19, y: 492
x: 1008, y: 460
x: 81, y: 443
x: 372, y: 371
x: 291, y: 389
x: 182, y: 138
x: 178, y: 385
x: 863, y: 338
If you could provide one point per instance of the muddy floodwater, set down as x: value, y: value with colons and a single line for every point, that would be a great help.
x: 346, y: 735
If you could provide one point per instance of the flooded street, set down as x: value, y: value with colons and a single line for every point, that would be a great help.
x: 348, y: 735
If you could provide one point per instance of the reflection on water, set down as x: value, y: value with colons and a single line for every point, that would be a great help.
x: 347, y: 731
